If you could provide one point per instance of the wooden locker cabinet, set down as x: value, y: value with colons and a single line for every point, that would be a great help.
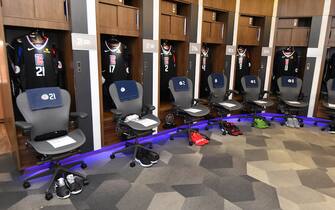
x: 120, y: 2
x: 36, y: 13
x: 119, y: 20
x: 213, y: 32
x: 283, y: 37
x: 169, y: 8
x: 300, y: 37
x: 209, y: 16
x: 173, y: 27
x: 228, y: 5
x: 249, y: 35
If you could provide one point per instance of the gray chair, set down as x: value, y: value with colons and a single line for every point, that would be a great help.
x: 328, y: 102
x: 185, y: 106
x: 290, y: 98
x: 131, y: 104
x: 49, y: 122
x: 253, y: 97
x: 219, y: 98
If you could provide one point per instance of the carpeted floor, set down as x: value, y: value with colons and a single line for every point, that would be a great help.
x: 276, y: 168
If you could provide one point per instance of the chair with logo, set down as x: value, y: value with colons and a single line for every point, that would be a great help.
x: 133, y: 119
x: 328, y: 103
x: 185, y: 106
x: 253, y: 99
x: 47, y: 112
x: 219, y: 98
x: 291, y: 99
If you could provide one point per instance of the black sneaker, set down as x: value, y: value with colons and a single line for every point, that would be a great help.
x: 152, y: 156
x: 61, y: 189
x: 142, y: 159
x: 74, y: 183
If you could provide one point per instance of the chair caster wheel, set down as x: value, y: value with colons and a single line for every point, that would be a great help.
x: 150, y: 147
x: 252, y: 125
x: 132, y: 164
x: 190, y: 143
x: 171, y: 138
x: 323, y: 129
x: 302, y: 125
x: 48, y: 196
x: 83, y: 165
x: 206, y: 128
x: 26, y: 184
x: 315, y: 123
x: 282, y: 124
x: 238, y: 120
x: 272, y: 118
x: 85, y: 181
x: 112, y: 156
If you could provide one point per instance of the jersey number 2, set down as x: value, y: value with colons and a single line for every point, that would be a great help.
x: 40, y: 71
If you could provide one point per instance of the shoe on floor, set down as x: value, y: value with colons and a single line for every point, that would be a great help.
x: 332, y: 130
x: 74, y: 183
x: 61, y: 190
x: 232, y: 129
x: 152, y: 156
x: 260, y: 123
x: 142, y: 159
x: 290, y: 122
x: 198, y: 139
x: 296, y: 122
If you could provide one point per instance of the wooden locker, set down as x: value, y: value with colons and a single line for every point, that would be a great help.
x: 300, y: 37
x: 169, y: 8
x: 209, y: 16
x: 178, y: 27
x: 107, y: 18
x: 286, y: 23
x: 165, y: 25
x: 331, y: 41
x: 18, y: 8
x: 283, y: 37
x: 248, y: 35
x: 51, y: 10
x: 120, y: 2
x: 217, y: 32
x: 128, y: 20
x: 206, y: 31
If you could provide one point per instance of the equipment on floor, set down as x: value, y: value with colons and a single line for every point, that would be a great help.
x: 291, y: 100
x: 198, y: 138
x: 128, y: 98
x: 46, y: 111
x: 219, y: 101
x: 231, y: 129
x: 185, y: 106
x: 329, y: 103
x: 253, y: 99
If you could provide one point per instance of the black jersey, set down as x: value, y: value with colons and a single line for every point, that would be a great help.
x: 329, y: 72
x: 206, y: 70
x: 37, y: 65
x: 167, y: 70
x: 243, y: 66
x: 286, y: 64
x: 115, y: 67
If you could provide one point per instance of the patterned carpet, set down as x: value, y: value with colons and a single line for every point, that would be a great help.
x: 276, y: 168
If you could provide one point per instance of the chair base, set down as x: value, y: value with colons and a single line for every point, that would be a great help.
x: 56, y: 170
x: 135, y: 147
x: 286, y: 116
x: 329, y: 124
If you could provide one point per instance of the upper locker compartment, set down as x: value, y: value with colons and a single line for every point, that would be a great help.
x: 213, y: 27
x: 117, y: 18
x: 293, y: 31
x: 36, y: 13
x: 174, y: 20
x: 249, y: 32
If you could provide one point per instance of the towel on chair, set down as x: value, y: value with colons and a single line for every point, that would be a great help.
x: 44, y: 98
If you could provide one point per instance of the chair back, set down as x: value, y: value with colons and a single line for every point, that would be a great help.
x: 217, y: 83
x: 331, y: 91
x: 182, y: 91
x: 289, y: 87
x: 252, y: 87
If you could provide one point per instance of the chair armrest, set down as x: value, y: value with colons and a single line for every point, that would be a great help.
x: 265, y: 92
x: 324, y: 95
x: 302, y: 96
x: 24, y: 127
x: 117, y: 114
x: 149, y: 107
x: 199, y: 100
x: 76, y: 115
x: 229, y: 92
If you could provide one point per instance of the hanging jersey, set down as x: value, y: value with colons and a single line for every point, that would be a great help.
x: 243, y: 66
x: 205, y: 72
x: 167, y: 70
x: 286, y: 64
x: 330, y: 70
x: 37, y: 65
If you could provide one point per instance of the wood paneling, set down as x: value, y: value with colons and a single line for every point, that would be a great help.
x: 18, y: 8
x: 256, y: 7
x: 209, y: 16
x: 248, y: 35
x: 173, y: 27
x: 300, y: 37
x: 226, y: 5
x: 50, y: 10
x: 283, y: 37
x: 169, y: 7
x: 300, y: 8
x: 331, y: 42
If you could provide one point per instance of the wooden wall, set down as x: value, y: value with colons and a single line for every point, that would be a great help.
x: 300, y: 8
x: 257, y: 7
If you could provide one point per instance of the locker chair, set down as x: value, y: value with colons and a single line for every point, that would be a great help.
x: 329, y: 103
x: 128, y: 98
x: 290, y: 98
x: 218, y: 99
x: 185, y: 106
x: 46, y: 124
x: 253, y: 98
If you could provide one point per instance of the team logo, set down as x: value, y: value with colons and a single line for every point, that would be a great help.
x: 46, y: 50
x: 216, y: 81
x: 290, y: 81
x: 112, y: 59
x: 39, y: 60
x: 45, y: 97
x: 166, y: 60
x: 181, y: 83
x: 30, y: 49
x: 123, y: 90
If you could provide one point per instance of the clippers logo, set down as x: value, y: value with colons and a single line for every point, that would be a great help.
x: 166, y: 60
x: 182, y: 83
x: 203, y: 66
x: 39, y: 60
x: 112, y: 59
x: 48, y: 96
x: 123, y: 90
x: 287, y: 61
x: 252, y: 81
x: 216, y: 81
x: 292, y: 81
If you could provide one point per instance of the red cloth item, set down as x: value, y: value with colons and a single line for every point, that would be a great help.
x: 232, y: 129
x: 198, y: 139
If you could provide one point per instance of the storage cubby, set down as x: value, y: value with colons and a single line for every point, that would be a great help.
x: 118, y: 20
x: 250, y: 30
x: 293, y: 32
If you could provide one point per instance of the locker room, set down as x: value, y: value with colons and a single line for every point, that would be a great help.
x: 167, y: 104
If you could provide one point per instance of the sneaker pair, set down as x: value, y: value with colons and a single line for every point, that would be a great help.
x: 232, y: 129
x: 332, y: 130
x: 260, y: 123
x: 292, y: 122
x: 198, y: 139
x: 70, y: 185
x: 146, y: 158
